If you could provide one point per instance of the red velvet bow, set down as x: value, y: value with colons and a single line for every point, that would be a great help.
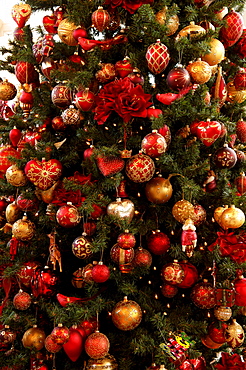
x: 231, y: 245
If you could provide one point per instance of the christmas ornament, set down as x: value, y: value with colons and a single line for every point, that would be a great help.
x: 208, y: 342
x: 3, y: 204
x: 225, y: 157
x: 166, y: 133
x: 171, y: 22
x: 88, y: 153
x: 34, y: 338
x: 232, y: 217
x: 240, y: 80
x: 234, y: 334
x: 5, y: 162
x: 60, y: 334
x: 223, y: 313
x: 26, y: 102
x: 26, y: 204
x: 154, y: 144
x: 182, y: 210
x: 216, y: 53
x: 121, y: 209
x: 7, y: 90
x: 110, y: 165
x: 136, y: 78
x: 7, y: 338
x: 240, y: 290
x: 12, y: 212
x: 159, y: 190
x: 51, y: 345
x: 234, y: 95
x: 22, y: 300
x: 15, y: 136
x: 81, y: 247
x: 48, y: 65
x: 216, y: 332
x: 58, y: 124
x: 97, y: 345
x: 169, y: 290
x: 43, y: 174
x: 123, y: 68
x: 107, y: 73
x: 79, y: 32
x: 142, y: 258
x: 100, y: 273
x: 121, y: 256
x: 25, y: 73
x: 49, y: 23
x: 157, y: 56
x: 192, y: 30
x: 44, y: 282
x: 199, y: 71
x: 126, y: 240
x: 158, y: 243
x: 78, y: 278
x: 126, y: 315
x: 178, y: 78
x: 23, y: 229
x: 90, y: 227
x: 75, y: 345
x: 240, y: 49
x: 26, y: 273
x: 140, y: 168
x: 84, y: 100
x: 65, y: 32
x: 190, y: 275
x: 241, y: 130
x: 208, y: 131
x: 203, y: 295
x: 219, y: 89
x: 15, y: 176
x: 199, y: 215
x: 100, y: 19
x: 172, y: 273
x: 21, y: 13
x: 61, y: 96
x: 231, y: 32
x: 107, y: 362
x: 71, y: 116
x: 240, y: 183
x: 89, y: 325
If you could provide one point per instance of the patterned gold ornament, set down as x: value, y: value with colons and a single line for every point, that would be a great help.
x: 191, y: 30
x: 108, y: 362
x: 223, y: 313
x: 126, y: 315
x: 34, y: 338
x: 12, y: 212
x: 81, y: 247
x: 172, y: 23
x: 216, y: 53
x: 65, y: 32
x: 7, y: 90
x: 232, y: 218
x: 23, y: 229
x: 234, y: 95
x: 15, y: 176
x: 200, y: 71
x: 234, y: 334
x: 71, y: 116
x: 182, y: 210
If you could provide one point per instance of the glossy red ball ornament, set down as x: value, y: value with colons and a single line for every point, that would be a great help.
x: 166, y: 133
x: 231, y: 32
x: 121, y: 256
x: 190, y: 275
x: 142, y: 257
x: 136, y: 77
x: 100, y: 19
x: 60, y: 334
x: 61, y: 96
x: 240, y: 290
x: 51, y: 345
x: 123, y: 68
x: 26, y: 73
x: 172, y: 273
x: 158, y: 243
x: 89, y: 325
x: 169, y: 290
x: 140, y: 168
x: 240, y: 80
x: 225, y: 157
x: 100, y: 273
x: 6, y: 152
x: 216, y: 332
x: 75, y: 345
x: 79, y: 32
x: 68, y: 216
x: 58, y: 124
x: 84, y: 100
x: 203, y: 295
x: 26, y: 273
x: 15, y: 136
x: 241, y: 130
x: 154, y: 144
x: 157, y: 56
x: 81, y: 247
x: 178, y: 78
x: 88, y: 153
x: 126, y: 240
x: 22, y: 300
x: 240, y: 183
x: 97, y: 345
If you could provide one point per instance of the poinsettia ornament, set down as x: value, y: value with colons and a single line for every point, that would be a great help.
x: 208, y: 131
x: 43, y: 174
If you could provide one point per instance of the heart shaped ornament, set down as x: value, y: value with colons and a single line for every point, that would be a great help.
x: 21, y: 13
x: 121, y: 209
x: 49, y: 23
x: 110, y: 165
x: 43, y: 174
x: 208, y: 131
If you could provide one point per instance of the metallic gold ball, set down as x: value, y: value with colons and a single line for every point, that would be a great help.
x: 126, y: 315
x: 199, y: 71
x: 233, y: 95
x: 223, y: 313
x: 191, y: 30
x: 172, y: 24
x: 15, y: 176
x: 65, y: 32
x: 158, y: 190
x: 34, y: 338
x: 7, y: 90
x: 23, y: 229
x: 12, y: 212
x: 232, y: 218
x: 108, y: 362
x: 182, y: 210
x: 216, y: 53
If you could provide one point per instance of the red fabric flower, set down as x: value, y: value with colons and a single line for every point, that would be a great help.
x: 123, y: 97
x: 231, y: 245
x: 130, y: 5
x: 230, y: 362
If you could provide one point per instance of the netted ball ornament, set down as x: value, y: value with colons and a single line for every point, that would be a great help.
x: 126, y: 315
x: 71, y: 116
x: 140, y: 168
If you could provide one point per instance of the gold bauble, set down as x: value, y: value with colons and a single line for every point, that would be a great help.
x: 12, y: 213
x: 23, y: 229
x: 218, y: 213
x: 159, y: 190
x: 7, y: 90
x: 106, y: 363
x: 65, y: 32
x: 234, y: 95
x: 182, y: 210
x: 216, y: 53
x: 126, y: 315
x: 234, y: 334
x: 199, y: 71
x: 34, y: 338
x: 172, y: 23
x: 232, y: 218
x: 223, y: 313
x: 191, y: 30
x: 121, y: 209
x: 15, y: 176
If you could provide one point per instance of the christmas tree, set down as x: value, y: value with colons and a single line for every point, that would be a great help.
x: 122, y: 204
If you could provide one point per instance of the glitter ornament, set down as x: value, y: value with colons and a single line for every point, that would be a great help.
x: 241, y: 130
x: 6, y: 152
x: 142, y: 258
x: 50, y: 345
x: 43, y: 174
x: 60, y: 334
x: 158, y: 243
x: 7, y: 90
x: 203, y: 295
x: 126, y: 315
x: 200, y: 71
x: 182, y: 210
x: 126, y: 240
x: 100, y: 273
x: 97, y: 345
x: 169, y: 290
x: 172, y: 273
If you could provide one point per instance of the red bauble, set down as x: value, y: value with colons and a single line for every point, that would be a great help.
x: 216, y: 332
x: 61, y: 96
x: 100, y: 19
x: 241, y: 183
x: 158, y: 243
x: 44, y: 282
x: 126, y: 240
x: 142, y: 257
x: 136, y: 77
x: 172, y: 273
x: 22, y: 300
x: 169, y: 290
x: 79, y: 32
x: 121, y: 256
x: 154, y: 144
x: 19, y: 34
x: 26, y: 204
x: 14, y: 136
x: 90, y: 227
x: 193, y: 364
x: 49, y: 23
x: 3, y: 204
x: 89, y: 325
x: 240, y: 80
x: 166, y: 133
x: 43, y: 174
x: 157, y: 57
x: 48, y: 65
x: 68, y: 216
x: 31, y: 137
x: 26, y: 273
x: 84, y: 100
x: 97, y: 345
x: 60, y: 334
x: 6, y: 152
x: 225, y: 157
x: 178, y: 78
x: 81, y: 247
x: 51, y: 345
x: 100, y: 273
x: 240, y: 290
x: 140, y: 168
x: 58, y: 124
x: 241, y: 130
x: 89, y: 152
x: 208, y: 131
x: 123, y: 68
x: 110, y: 165
x: 231, y: 32
x: 190, y: 275
x: 203, y: 295
x: 75, y: 345
x: 25, y: 73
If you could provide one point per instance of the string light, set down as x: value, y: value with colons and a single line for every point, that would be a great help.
x: 149, y: 282
x: 154, y: 268
x: 156, y: 296
x: 106, y: 128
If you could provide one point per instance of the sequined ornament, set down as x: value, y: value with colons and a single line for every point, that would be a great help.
x: 81, y: 247
x: 97, y: 345
x: 140, y: 168
x: 126, y: 315
x: 110, y: 165
x: 157, y: 56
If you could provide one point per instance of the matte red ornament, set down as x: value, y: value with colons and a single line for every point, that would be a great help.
x: 208, y: 131
x: 172, y: 273
x: 157, y: 57
x: 100, y: 19
x: 225, y: 157
x: 240, y: 183
x: 126, y: 240
x: 51, y: 345
x: 123, y: 68
x: 58, y: 124
x: 43, y: 174
x: 158, y: 243
x: 169, y: 290
x: 60, y: 334
x: 84, y: 100
x: 68, y: 216
x: 6, y: 152
x: 49, y: 23
x: 231, y: 32
x: 110, y: 165
x: 241, y: 130
x: 240, y: 290
x: 190, y: 275
x: 19, y: 34
x: 203, y: 295
x: 25, y: 73
x: 178, y: 78
x: 14, y: 136
x: 97, y: 345
x: 61, y: 96
x: 154, y: 144
x: 142, y: 257
x: 75, y: 345
x: 140, y: 168
x: 88, y: 152
x: 22, y: 300
x: 100, y: 273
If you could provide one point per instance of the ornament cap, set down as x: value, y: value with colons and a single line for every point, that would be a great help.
x: 60, y: 325
x: 125, y: 299
x: 100, y: 263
